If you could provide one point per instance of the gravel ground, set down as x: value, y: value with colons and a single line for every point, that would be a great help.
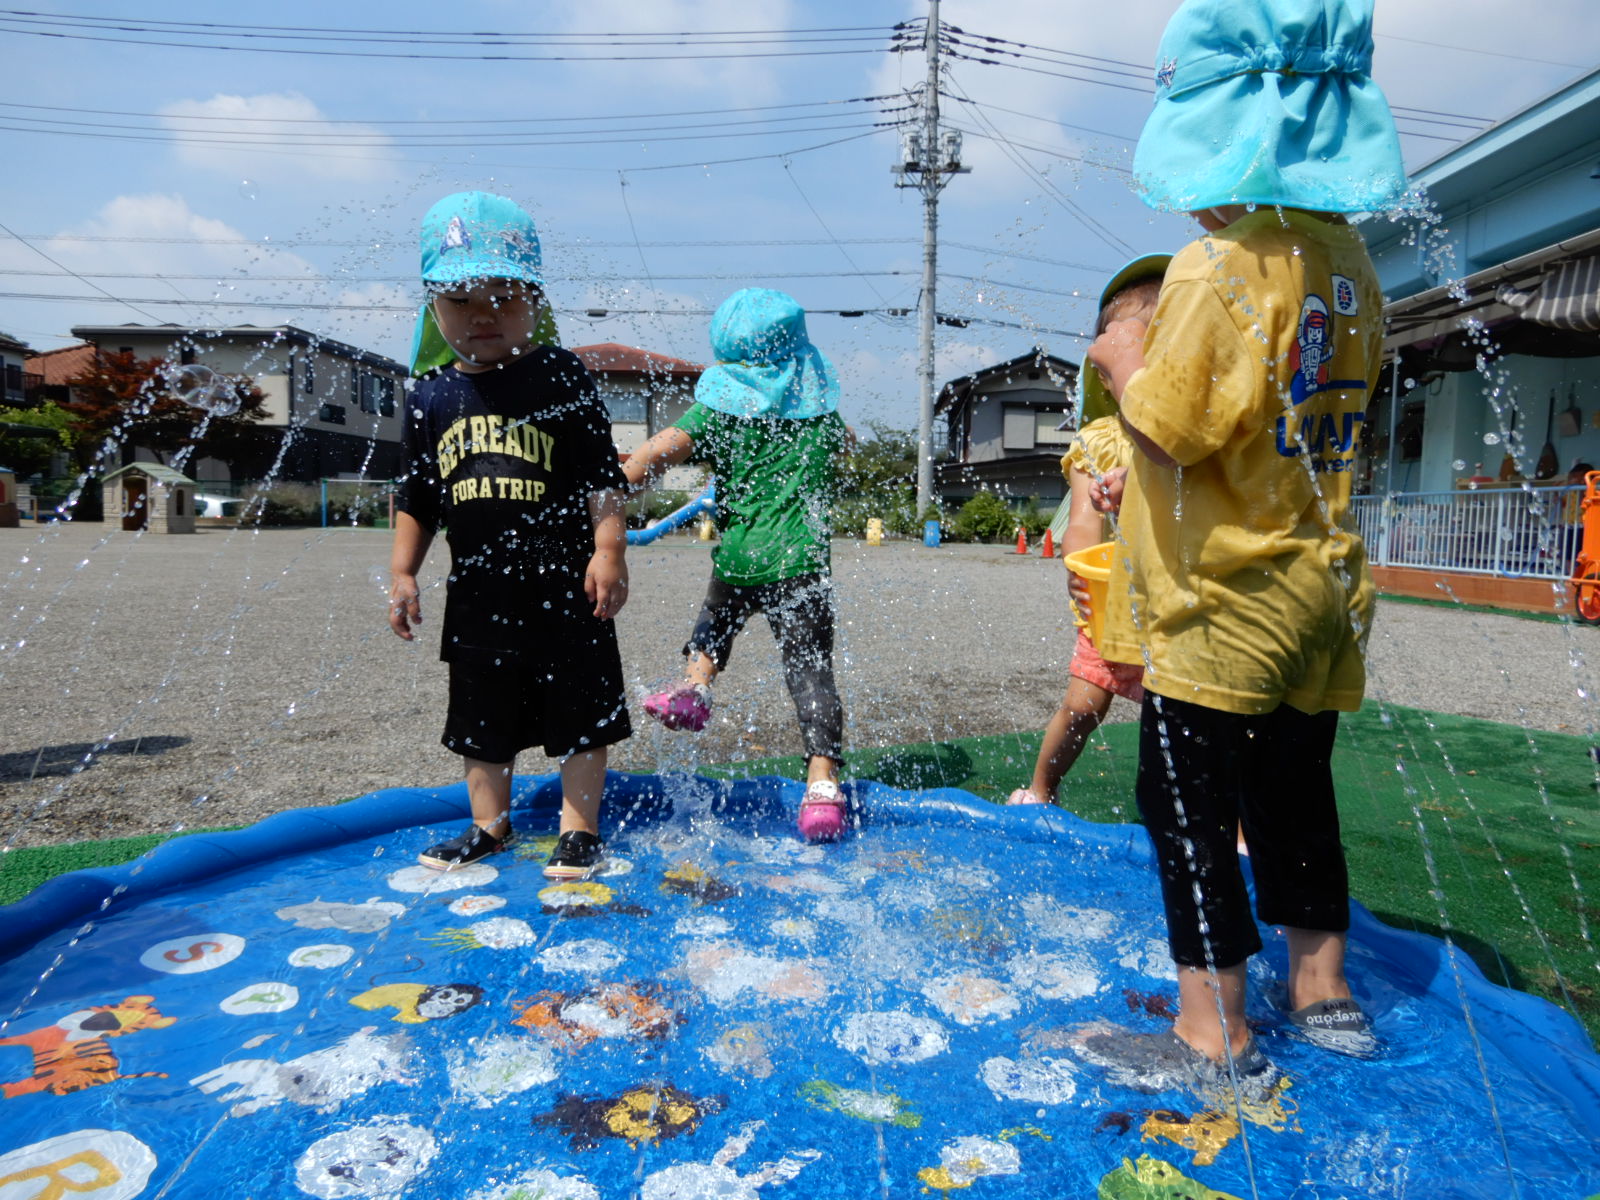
x: 158, y: 683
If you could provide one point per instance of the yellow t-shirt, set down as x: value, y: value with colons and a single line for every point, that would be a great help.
x: 1250, y: 586
x: 1098, y: 447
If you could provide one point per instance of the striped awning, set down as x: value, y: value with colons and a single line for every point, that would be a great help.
x: 1566, y: 297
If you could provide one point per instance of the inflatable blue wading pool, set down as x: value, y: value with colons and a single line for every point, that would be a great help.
x: 297, y: 1009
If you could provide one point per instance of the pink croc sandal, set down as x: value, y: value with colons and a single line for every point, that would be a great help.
x: 822, y: 812
x: 683, y: 707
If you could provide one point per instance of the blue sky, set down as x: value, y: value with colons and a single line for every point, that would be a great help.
x: 660, y: 183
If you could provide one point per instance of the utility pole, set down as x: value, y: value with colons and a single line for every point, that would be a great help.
x: 932, y: 158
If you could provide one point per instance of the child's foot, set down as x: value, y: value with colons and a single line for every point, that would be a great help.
x: 822, y: 812
x: 687, y: 706
x: 1025, y: 796
x: 1159, y: 1062
x: 468, y: 846
x: 577, y: 855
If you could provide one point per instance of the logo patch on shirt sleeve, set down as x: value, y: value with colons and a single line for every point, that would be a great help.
x: 1344, y: 296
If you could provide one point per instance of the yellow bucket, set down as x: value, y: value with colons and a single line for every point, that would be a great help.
x: 1093, y: 566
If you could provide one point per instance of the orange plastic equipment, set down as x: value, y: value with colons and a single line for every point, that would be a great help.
x: 1022, y: 540
x: 1048, y: 550
x: 1585, y: 578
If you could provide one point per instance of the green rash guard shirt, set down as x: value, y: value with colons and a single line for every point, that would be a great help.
x: 775, y: 486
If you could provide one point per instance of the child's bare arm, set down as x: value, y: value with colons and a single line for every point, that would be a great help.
x: 605, y: 580
x: 406, y: 556
x: 647, y: 464
x: 1118, y: 353
x: 1083, y: 528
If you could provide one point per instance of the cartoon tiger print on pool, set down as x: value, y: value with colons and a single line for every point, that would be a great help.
x: 73, y: 1054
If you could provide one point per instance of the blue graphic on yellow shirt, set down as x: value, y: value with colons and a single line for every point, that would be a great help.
x: 1328, y: 438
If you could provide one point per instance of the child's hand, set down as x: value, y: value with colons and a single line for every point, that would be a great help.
x: 605, y: 583
x: 1080, y: 594
x: 405, y: 606
x: 1106, y: 492
x: 1118, y: 353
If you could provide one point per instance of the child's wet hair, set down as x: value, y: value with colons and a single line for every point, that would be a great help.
x: 1135, y: 302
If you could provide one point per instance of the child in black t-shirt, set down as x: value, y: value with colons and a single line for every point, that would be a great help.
x: 509, y: 449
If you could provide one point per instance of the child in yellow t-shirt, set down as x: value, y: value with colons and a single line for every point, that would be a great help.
x: 1100, y: 447
x: 1251, y: 595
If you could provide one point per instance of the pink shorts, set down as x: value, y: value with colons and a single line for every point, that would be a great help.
x: 1120, y: 679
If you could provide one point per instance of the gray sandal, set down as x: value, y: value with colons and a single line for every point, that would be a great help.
x: 1336, y: 1025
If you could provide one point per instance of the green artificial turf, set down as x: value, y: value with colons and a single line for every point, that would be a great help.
x: 1485, y: 831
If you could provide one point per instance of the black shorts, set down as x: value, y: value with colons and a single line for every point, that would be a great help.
x: 1202, y: 775
x: 497, y: 710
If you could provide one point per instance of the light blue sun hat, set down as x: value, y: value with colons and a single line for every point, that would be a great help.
x: 1269, y: 102
x: 468, y: 237
x: 1094, y: 397
x: 765, y: 363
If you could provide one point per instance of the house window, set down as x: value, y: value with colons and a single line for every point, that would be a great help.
x: 185, y: 356
x: 385, y: 397
x: 1045, y: 432
x: 333, y: 414
x: 311, y: 376
x: 1017, y: 428
x: 625, y: 407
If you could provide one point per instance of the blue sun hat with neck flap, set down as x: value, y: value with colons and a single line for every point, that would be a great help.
x: 468, y: 238
x: 765, y: 363
x: 1269, y: 102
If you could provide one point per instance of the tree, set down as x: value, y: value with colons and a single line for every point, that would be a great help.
x: 121, y: 399
x: 31, y: 437
x: 879, y: 479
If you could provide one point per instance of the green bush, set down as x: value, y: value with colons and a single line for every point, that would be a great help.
x: 984, y: 518
x: 355, y: 503
x: 280, y: 504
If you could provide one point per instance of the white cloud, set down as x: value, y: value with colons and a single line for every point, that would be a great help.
x: 155, y: 250
x: 752, y: 81
x: 246, y: 135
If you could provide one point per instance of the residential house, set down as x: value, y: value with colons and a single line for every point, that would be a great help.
x: 644, y: 392
x: 1005, y: 429
x: 13, y: 359
x: 333, y: 410
x: 1491, y: 387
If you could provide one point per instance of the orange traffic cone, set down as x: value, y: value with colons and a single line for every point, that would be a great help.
x: 1022, y: 540
x: 1048, y: 550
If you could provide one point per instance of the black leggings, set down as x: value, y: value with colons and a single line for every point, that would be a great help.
x: 1270, y: 774
x: 800, y: 612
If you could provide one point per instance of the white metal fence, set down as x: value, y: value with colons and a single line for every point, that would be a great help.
x: 1519, y: 533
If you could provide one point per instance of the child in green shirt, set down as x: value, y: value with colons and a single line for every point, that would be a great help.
x: 765, y: 422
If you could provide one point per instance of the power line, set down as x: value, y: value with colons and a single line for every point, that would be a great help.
x: 431, y: 36
x: 1066, y: 202
x: 249, y: 140
x: 591, y: 312
x: 692, y: 164
x: 10, y: 25
x: 574, y: 245
x: 68, y: 270
x: 693, y: 112
x: 1429, y: 42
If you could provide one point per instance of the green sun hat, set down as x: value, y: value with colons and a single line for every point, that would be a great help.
x: 1094, y: 397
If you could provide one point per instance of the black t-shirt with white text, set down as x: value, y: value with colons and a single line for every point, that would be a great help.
x: 505, y: 461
